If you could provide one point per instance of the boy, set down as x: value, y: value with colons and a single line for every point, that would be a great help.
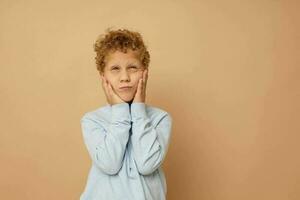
x: 127, y: 140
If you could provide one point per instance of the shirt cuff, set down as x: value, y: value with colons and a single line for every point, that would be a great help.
x: 120, y: 111
x: 138, y: 110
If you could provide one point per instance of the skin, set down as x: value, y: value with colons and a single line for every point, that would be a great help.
x: 124, y: 69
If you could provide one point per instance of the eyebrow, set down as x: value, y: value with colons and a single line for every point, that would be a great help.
x: 130, y: 64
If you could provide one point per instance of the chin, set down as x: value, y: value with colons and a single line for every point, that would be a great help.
x: 126, y: 98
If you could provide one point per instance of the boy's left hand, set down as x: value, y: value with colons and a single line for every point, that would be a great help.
x: 140, y: 95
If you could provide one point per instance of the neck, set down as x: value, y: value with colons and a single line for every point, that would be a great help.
x: 130, y: 102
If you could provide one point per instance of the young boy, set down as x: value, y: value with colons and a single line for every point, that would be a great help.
x: 127, y: 140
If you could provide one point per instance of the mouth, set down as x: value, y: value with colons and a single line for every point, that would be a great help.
x: 125, y: 88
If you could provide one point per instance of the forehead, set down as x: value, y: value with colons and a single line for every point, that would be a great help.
x: 118, y: 57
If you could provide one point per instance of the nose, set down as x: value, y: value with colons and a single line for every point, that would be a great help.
x: 124, y: 76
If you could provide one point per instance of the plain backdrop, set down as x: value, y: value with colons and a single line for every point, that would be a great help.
x: 227, y: 71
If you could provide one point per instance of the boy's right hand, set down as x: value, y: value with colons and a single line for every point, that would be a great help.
x: 111, y: 97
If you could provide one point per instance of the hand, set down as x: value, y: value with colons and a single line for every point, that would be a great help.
x: 111, y: 97
x: 140, y: 95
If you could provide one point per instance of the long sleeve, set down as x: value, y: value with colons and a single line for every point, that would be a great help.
x: 149, y: 143
x: 106, y: 147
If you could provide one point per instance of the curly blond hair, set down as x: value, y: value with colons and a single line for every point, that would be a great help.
x: 122, y: 40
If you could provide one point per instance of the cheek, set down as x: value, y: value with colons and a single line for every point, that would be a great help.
x: 136, y: 83
x: 110, y: 81
x: 138, y: 77
x: 113, y: 85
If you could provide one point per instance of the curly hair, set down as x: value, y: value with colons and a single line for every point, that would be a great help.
x: 122, y: 40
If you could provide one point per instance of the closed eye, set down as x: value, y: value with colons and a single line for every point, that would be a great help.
x: 133, y: 67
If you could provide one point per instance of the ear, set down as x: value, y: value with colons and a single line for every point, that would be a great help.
x: 101, y: 74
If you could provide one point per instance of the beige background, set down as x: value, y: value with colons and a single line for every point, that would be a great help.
x: 227, y: 71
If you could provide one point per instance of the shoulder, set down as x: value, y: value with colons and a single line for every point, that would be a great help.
x: 99, y: 114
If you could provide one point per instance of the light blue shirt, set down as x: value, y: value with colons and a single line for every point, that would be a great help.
x: 127, y: 144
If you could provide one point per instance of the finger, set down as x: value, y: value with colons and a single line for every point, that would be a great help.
x: 105, y: 89
x: 111, y: 90
x: 104, y: 85
x: 144, y: 80
x: 114, y: 95
x: 140, y: 86
x: 145, y: 77
x: 108, y: 89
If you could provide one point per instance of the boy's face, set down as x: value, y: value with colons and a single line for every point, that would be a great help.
x: 123, y: 69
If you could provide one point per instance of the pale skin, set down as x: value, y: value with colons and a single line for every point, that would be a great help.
x: 124, y: 70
